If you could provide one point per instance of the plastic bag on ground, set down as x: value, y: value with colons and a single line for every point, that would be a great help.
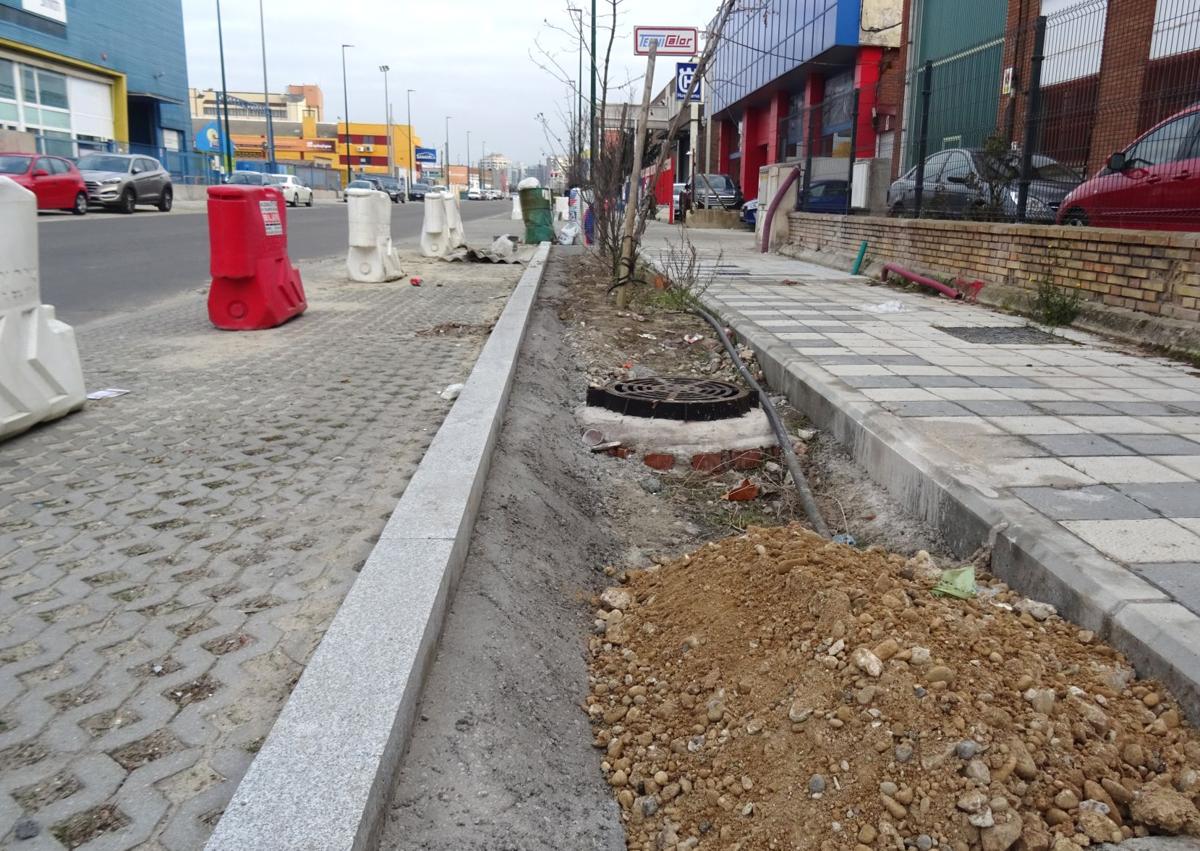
x: 569, y: 235
x: 958, y: 582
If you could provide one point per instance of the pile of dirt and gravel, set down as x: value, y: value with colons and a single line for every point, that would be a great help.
x: 778, y: 691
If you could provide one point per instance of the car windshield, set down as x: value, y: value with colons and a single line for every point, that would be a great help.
x: 718, y: 182
x: 1044, y: 168
x: 99, y: 162
x: 14, y: 165
x: 247, y: 178
x: 358, y: 184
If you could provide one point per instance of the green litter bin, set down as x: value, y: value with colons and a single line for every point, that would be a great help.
x: 537, y: 210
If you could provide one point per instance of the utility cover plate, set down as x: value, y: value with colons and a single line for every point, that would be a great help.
x: 674, y: 398
x: 1005, y: 335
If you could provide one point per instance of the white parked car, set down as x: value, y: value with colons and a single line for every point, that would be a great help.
x: 474, y: 195
x: 294, y: 192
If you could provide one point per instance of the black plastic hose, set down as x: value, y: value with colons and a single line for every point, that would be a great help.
x: 785, y: 442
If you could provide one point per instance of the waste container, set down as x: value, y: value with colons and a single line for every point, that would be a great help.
x: 537, y: 210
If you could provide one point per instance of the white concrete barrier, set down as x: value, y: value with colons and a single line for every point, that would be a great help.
x: 371, y: 257
x: 434, y: 238
x: 442, y: 231
x: 40, y: 375
x: 561, y: 208
x: 454, y: 223
x: 516, y: 211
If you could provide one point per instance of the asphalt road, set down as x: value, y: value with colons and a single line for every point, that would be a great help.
x: 105, y: 263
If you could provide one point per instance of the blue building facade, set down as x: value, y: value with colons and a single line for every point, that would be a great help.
x: 83, y: 74
x: 782, y: 58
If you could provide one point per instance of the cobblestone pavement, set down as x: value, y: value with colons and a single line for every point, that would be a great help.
x: 170, y: 558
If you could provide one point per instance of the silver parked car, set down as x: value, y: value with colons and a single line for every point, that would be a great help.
x: 123, y: 181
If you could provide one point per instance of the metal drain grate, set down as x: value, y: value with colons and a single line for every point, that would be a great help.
x: 1006, y: 335
x: 665, y: 397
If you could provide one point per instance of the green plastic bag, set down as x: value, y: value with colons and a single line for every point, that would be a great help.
x: 959, y: 582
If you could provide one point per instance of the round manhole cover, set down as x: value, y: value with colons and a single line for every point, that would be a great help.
x: 670, y: 398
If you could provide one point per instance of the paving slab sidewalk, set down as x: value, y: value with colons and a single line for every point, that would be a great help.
x: 1079, y: 460
x: 170, y: 558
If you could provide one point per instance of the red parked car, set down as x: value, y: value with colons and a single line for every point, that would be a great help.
x: 1153, y: 184
x: 55, y: 181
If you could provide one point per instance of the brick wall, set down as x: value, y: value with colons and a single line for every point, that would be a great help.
x: 1157, y: 273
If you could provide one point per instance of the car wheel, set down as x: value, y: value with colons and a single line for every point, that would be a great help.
x: 310, y: 200
x: 80, y: 208
x: 128, y: 201
x: 167, y: 201
x: 1075, y: 218
x: 295, y: 202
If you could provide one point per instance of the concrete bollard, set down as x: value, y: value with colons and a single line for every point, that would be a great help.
x: 516, y: 213
x: 561, y: 208
x: 434, y: 237
x: 371, y: 258
x: 454, y: 223
x: 442, y: 231
x: 40, y: 375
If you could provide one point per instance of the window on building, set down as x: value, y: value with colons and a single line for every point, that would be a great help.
x: 1176, y: 24
x: 52, y: 90
x: 8, y: 86
x: 1074, y: 39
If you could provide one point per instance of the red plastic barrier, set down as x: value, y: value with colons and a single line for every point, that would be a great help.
x: 254, y: 284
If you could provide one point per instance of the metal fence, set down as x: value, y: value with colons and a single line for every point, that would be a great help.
x: 823, y: 137
x: 191, y: 167
x: 1010, y: 127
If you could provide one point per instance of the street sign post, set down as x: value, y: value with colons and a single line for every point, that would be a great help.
x: 670, y: 41
x: 684, y: 72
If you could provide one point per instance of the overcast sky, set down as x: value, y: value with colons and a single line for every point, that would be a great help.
x: 465, y: 58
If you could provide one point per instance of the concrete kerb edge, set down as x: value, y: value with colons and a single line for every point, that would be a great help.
x: 322, y: 778
x: 1028, y: 551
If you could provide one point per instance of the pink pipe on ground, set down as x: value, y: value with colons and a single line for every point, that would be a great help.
x: 948, y: 292
x: 775, y: 202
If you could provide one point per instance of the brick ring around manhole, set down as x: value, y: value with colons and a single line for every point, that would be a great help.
x: 675, y: 398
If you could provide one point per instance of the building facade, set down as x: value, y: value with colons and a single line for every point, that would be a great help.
x: 294, y: 105
x: 301, y: 134
x: 367, y: 148
x: 790, y: 76
x: 1110, y: 70
x: 94, y: 74
x: 494, y: 171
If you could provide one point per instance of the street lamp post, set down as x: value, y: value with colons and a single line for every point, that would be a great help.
x: 227, y: 140
x: 577, y: 153
x: 446, y: 176
x: 592, y: 123
x: 387, y: 103
x: 346, y: 104
x: 482, y: 157
x: 468, y: 159
x: 411, y: 153
x: 262, y: 30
